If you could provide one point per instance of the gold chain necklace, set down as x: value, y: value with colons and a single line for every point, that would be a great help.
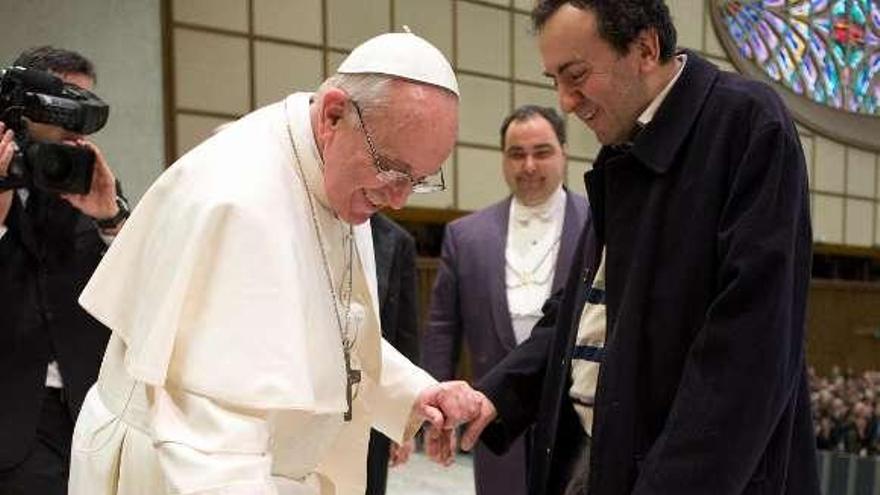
x: 352, y: 376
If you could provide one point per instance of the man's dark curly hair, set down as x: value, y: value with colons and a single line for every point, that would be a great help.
x: 620, y: 21
x: 56, y: 60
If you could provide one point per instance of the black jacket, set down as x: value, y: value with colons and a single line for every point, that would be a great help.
x: 702, y: 390
x: 395, y: 252
x: 46, y: 257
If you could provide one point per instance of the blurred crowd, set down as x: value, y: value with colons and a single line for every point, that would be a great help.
x: 846, y: 411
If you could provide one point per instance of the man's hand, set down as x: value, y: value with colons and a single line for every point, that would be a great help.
x: 100, y: 202
x: 440, y: 445
x: 399, y: 454
x: 487, y: 414
x: 447, y: 405
x: 7, y: 149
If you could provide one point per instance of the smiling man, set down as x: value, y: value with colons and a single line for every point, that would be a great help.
x: 246, y: 355
x: 499, y: 265
x: 696, y: 267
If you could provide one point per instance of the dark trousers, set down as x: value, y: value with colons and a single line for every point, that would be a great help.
x: 578, y: 469
x: 44, y: 471
x: 377, y: 463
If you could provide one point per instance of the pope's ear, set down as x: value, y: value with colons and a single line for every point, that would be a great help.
x: 333, y: 107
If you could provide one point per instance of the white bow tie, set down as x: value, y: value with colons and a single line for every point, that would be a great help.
x: 523, y: 217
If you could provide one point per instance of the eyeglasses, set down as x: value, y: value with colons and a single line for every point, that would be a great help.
x: 390, y: 175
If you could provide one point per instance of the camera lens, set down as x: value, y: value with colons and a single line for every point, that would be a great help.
x: 56, y: 166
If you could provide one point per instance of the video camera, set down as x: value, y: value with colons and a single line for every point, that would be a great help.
x: 43, y: 97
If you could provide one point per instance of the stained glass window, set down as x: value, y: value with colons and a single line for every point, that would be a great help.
x: 824, y: 50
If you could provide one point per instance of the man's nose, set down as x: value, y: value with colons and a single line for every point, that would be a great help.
x: 529, y: 165
x: 569, y: 98
x: 398, y: 193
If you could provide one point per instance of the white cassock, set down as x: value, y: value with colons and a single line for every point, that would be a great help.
x: 225, y: 370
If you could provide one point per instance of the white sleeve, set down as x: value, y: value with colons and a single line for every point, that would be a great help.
x: 394, y: 396
x: 3, y: 230
x: 206, y: 448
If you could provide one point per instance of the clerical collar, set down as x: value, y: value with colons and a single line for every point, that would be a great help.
x: 648, y: 115
x: 304, y: 140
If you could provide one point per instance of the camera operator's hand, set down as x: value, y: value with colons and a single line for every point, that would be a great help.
x: 100, y: 202
x: 7, y: 148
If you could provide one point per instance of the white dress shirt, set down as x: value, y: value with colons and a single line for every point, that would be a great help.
x: 533, y: 237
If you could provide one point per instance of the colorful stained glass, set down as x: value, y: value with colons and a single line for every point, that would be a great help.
x: 825, y: 50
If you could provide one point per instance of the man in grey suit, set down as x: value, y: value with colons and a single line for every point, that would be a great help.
x: 499, y: 265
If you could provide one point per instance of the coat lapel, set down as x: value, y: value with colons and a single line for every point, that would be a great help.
x: 572, y: 225
x: 495, y: 247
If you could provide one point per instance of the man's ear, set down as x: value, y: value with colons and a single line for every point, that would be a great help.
x: 647, y: 46
x: 331, y: 112
x: 333, y: 106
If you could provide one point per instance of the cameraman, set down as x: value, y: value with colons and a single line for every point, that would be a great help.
x: 50, y: 349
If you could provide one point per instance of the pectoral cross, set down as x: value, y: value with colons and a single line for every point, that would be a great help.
x: 352, y: 378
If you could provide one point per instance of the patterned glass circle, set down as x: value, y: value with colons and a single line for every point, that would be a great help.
x: 825, y: 50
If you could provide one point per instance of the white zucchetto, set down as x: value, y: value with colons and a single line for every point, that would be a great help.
x: 403, y: 55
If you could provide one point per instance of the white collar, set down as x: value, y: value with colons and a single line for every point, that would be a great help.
x: 545, y: 211
x: 648, y: 115
x: 299, y: 120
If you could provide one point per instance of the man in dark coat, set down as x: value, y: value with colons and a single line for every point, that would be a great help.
x: 50, y: 349
x: 699, y: 198
x: 395, y: 252
x: 499, y: 265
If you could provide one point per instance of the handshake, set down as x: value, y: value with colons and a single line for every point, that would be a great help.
x: 445, y: 406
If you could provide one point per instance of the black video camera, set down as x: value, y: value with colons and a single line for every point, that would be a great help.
x: 43, y: 97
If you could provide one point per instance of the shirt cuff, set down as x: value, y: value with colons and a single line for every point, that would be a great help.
x: 107, y: 238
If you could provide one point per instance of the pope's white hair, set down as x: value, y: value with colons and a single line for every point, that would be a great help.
x: 370, y: 91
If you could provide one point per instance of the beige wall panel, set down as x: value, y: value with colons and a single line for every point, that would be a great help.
x: 723, y: 64
x: 503, y: 3
x: 484, y: 103
x: 877, y: 224
x: 524, y: 4
x: 224, y: 14
x: 859, y: 222
x: 281, y: 70
x: 804, y: 131
x: 688, y: 17
x: 830, y: 162
x: 827, y: 219
x: 441, y: 199
x: 430, y: 19
x: 483, y: 39
x: 523, y: 95
x: 352, y: 22
x: 527, y: 58
x: 193, y: 129
x: 713, y: 45
x: 574, y: 177
x: 211, y: 72
x: 582, y: 141
x: 860, y: 172
x: 334, y: 60
x: 807, y: 145
x: 298, y: 20
x: 480, y: 180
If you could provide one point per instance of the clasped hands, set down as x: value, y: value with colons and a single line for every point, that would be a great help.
x: 445, y: 406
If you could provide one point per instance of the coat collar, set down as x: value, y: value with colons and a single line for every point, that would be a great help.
x: 658, y: 143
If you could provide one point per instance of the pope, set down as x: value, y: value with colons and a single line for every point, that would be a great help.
x: 246, y: 354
